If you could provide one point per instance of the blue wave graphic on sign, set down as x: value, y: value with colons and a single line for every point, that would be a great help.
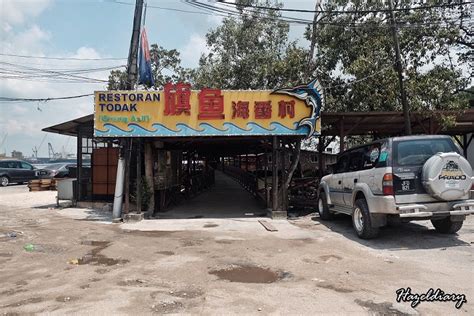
x: 252, y: 129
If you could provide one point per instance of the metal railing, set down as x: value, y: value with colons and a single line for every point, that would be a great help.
x: 246, y: 179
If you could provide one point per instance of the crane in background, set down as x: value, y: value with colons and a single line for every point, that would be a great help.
x: 4, y: 139
x: 51, y: 153
x: 36, y: 149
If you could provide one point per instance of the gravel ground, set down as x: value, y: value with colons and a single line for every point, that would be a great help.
x: 82, y: 264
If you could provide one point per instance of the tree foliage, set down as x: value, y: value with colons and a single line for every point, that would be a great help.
x: 358, y: 48
x: 166, y: 67
x: 251, y: 51
x: 353, y: 55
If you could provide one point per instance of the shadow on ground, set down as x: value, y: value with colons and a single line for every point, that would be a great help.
x: 397, y: 237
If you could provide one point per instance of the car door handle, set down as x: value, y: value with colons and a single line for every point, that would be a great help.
x: 355, y: 180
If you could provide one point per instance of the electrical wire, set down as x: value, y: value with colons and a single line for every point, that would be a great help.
x: 62, y: 75
x: 11, y: 99
x: 62, y: 58
x: 213, y: 10
x: 445, y: 5
x: 291, y: 20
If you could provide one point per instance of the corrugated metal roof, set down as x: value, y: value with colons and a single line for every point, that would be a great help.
x: 70, y: 127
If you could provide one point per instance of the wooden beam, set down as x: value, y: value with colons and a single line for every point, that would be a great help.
x: 341, y: 135
x: 421, y: 123
x: 138, y: 180
x: 348, y: 132
x: 149, y: 177
x: 275, y: 146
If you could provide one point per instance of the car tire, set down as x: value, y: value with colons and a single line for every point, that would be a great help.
x: 323, y: 207
x: 361, y: 220
x: 446, y: 225
x: 4, y: 181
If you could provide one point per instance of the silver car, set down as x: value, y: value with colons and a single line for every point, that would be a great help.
x: 399, y: 179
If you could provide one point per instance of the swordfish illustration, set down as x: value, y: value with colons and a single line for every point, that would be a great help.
x: 312, y: 94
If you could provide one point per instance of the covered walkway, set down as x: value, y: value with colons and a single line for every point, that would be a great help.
x: 226, y: 199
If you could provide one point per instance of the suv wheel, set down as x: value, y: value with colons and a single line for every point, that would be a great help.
x: 4, y: 181
x: 323, y: 207
x: 362, y: 222
x: 446, y: 225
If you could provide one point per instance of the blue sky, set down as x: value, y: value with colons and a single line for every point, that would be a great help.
x: 82, y: 29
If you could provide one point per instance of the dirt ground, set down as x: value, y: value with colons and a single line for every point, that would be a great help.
x: 82, y: 264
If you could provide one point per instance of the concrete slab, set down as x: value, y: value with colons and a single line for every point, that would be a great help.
x: 226, y: 226
x: 86, y: 214
x: 226, y: 199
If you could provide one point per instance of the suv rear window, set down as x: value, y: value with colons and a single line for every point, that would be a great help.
x: 416, y: 152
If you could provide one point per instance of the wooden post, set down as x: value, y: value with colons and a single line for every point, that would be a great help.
x: 139, y: 177
x: 275, y: 146
x: 265, y: 164
x: 465, y: 144
x: 320, y: 156
x: 79, y: 165
x: 341, y: 135
x: 284, y: 175
x: 126, y: 193
x: 149, y: 177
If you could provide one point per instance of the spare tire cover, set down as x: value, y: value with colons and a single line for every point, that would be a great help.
x: 447, y: 176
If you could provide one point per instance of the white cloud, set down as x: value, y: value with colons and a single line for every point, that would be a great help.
x: 192, y: 51
x: 23, y: 121
x: 86, y: 52
x: 16, y: 12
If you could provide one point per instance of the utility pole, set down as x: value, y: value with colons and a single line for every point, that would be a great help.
x: 312, y: 45
x: 396, y: 44
x: 133, y: 52
x: 123, y: 168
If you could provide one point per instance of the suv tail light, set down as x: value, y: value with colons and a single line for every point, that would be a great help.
x: 387, y: 184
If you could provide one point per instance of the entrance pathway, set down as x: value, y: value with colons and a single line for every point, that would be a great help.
x: 223, y: 200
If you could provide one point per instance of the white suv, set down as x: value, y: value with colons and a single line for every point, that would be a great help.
x: 399, y: 179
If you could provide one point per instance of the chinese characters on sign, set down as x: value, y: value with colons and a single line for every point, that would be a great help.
x: 177, y: 99
x: 179, y: 111
x: 263, y: 109
x: 211, y: 104
x: 286, y: 108
x: 240, y: 109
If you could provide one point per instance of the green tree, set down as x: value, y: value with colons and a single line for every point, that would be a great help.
x: 166, y: 67
x: 359, y: 47
x: 251, y: 51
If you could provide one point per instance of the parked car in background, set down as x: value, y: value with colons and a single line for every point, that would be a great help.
x: 17, y: 171
x: 58, y: 170
x: 399, y: 179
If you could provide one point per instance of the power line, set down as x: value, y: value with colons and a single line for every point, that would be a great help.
x: 212, y: 10
x: 57, y: 73
x: 11, y: 99
x: 158, y: 7
x: 220, y: 11
x: 62, y: 58
x: 446, y: 5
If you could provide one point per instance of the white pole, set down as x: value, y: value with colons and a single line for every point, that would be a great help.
x: 117, y: 210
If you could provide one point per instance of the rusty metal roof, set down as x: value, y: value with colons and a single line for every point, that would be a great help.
x: 70, y: 127
x: 392, y: 123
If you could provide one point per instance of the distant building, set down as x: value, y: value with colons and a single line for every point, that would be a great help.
x: 17, y: 154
